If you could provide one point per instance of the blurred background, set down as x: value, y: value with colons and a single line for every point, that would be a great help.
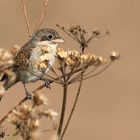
x: 109, y: 106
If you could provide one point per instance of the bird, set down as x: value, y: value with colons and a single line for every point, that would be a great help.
x: 42, y: 47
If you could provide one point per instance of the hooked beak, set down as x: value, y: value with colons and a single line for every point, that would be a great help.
x: 58, y: 40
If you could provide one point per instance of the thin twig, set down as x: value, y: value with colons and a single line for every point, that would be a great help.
x: 77, y: 76
x: 6, y: 116
x: 73, y: 107
x: 72, y: 70
x: 97, y: 73
x: 63, y: 29
x: 26, y: 18
x: 57, y: 76
x: 92, y: 37
x: 47, y: 77
x: 42, y: 16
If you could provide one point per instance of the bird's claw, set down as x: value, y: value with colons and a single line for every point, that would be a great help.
x: 47, y: 84
x: 28, y: 95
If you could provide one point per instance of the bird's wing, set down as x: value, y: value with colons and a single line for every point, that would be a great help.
x: 22, y: 57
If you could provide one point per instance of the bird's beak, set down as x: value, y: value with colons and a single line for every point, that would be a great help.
x: 58, y: 40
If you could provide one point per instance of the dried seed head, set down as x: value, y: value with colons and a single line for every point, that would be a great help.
x: 25, y: 109
x: 62, y: 54
x: 96, y: 31
x: 100, y: 60
x: 46, y: 56
x: 42, y: 65
x: 13, y: 119
x: 73, y: 53
x: 35, y: 124
x: 2, y: 132
x: 72, y: 30
x: 14, y: 50
x: 20, y: 114
x: 86, y: 58
x: 39, y: 99
x: 114, y: 56
x: 69, y: 61
x: 51, y: 114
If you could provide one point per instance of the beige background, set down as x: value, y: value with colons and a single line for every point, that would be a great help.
x: 109, y: 106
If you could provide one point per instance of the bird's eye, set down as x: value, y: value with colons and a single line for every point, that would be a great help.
x: 50, y: 36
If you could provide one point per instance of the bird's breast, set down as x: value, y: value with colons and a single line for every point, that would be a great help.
x: 43, y: 53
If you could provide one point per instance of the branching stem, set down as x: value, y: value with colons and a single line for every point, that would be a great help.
x: 73, y: 107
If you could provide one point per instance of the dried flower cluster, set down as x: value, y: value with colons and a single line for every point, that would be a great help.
x: 26, y: 118
x: 2, y: 132
x: 6, y: 55
x: 81, y: 36
x: 73, y: 58
x: 114, y: 56
x: 71, y: 64
x: 6, y: 60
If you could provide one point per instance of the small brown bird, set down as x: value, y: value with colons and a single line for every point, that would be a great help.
x: 41, y: 48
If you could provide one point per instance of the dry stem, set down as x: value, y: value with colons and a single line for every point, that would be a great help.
x: 42, y: 16
x: 63, y: 110
x: 6, y: 116
x: 26, y: 18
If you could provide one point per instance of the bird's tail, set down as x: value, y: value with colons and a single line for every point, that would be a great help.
x: 9, y: 77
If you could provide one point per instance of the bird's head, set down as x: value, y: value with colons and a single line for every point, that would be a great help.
x: 46, y: 35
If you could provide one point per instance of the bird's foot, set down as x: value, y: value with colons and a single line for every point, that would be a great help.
x: 47, y: 84
x: 28, y: 95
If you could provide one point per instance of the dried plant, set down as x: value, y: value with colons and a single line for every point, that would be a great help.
x: 72, y: 67
x: 81, y: 36
x: 26, y: 118
x: 3, y: 132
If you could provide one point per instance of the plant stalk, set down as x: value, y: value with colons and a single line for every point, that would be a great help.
x: 65, y: 88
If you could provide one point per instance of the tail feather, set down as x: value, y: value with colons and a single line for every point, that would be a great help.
x: 7, y: 75
x: 9, y: 78
x: 1, y: 76
x: 6, y: 65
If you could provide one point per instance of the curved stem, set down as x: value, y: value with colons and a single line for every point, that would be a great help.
x: 42, y: 16
x: 26, y: 18
x: 6, y: 116
x: 95, y: 74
